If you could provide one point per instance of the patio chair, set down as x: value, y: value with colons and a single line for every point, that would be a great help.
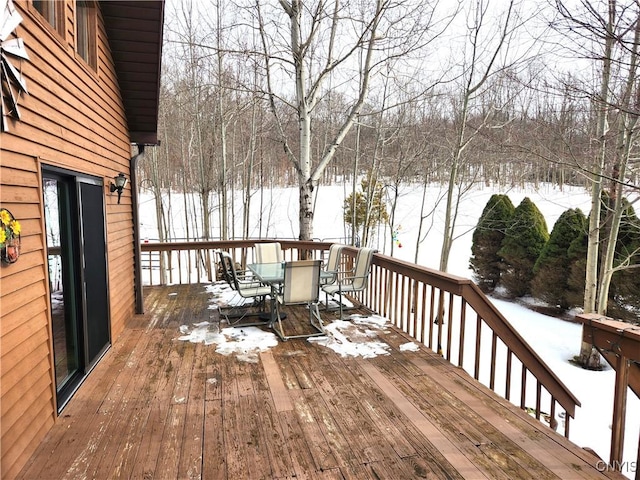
x: 329, y: 273
x: 353, y: 281
x: 247, y: 288
x: 301, y: 286
x: 269, y: 252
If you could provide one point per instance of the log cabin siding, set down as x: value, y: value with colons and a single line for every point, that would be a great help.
x: 72, y: 118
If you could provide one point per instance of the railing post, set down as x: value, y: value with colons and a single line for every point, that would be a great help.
x: 619, y: 411
x: 618, y: 342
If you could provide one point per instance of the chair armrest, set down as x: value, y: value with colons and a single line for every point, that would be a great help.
x: 250, y: 283
x: 350, y: 279
x: 245, y: 275
x: 247, y: 279
x: 343, y: 272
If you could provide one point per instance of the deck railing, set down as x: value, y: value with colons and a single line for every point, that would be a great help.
x: 619, y: 344
x: 448, y: 314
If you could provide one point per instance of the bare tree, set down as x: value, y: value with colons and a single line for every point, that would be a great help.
x: 481, y: 60
x: 345, y: 42
x: 606, y: 34
x: 627, y: 134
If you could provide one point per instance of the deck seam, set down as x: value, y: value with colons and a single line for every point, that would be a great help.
x: 450, y: 452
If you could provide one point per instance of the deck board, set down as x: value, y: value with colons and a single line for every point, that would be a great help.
x: 159, y: 408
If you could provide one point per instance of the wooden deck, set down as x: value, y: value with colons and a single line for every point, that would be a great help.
x: 159, y: 408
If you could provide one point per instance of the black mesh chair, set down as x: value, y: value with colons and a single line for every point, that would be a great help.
x: 247, y: 288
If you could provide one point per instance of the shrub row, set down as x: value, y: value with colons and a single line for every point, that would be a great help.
x: 513, y: 249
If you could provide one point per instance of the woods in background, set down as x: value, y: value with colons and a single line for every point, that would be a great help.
x: 308, y: 93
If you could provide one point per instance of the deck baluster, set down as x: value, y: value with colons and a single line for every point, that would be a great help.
x: 476, y: 367
x: 492, y: 378
x: 463, y: 319
x: 450, y: 325
x: 523, y: 388
x: 538, y: 399
x: 431, y: 316
x: 507, y: 386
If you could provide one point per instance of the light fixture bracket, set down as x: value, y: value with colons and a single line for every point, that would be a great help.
x: 120, y: 182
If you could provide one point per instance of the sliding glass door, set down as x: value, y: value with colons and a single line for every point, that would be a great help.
x: 75, y: 231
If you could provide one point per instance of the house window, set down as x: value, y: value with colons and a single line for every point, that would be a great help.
x: 86, y: 32
x: 52, y: 11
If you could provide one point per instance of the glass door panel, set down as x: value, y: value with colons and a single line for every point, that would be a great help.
x: 63, y: 285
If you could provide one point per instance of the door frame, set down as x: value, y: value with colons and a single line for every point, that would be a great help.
x: 76, y: 181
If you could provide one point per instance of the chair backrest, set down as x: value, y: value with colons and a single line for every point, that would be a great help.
x: 362, y: 268
x: 301, y: 281
x: 229, y: 270
x: 269, y: 252
x: 333, y: 260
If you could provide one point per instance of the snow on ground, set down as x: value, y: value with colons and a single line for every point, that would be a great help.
x: 556, y: 341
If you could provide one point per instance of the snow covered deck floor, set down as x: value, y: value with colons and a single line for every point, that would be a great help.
x: 164, y: 408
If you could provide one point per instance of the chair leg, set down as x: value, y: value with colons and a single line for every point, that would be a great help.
x: 326, y: 302
x: 315, y: 312
x: 235, y: 315
x: 279, y: 329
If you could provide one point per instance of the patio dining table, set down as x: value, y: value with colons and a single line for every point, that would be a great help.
x: 268, y: 273
x: 272, y: 274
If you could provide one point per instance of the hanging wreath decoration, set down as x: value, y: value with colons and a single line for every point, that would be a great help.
x: 13, y: 84
x: 9, y: 237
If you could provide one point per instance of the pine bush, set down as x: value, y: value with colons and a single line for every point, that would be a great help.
x: 577, y: 267
x: 487, y: 240
x: 523, y: 242
x: 625, y: 283
x: 370, y: 208
x: 551, y: 273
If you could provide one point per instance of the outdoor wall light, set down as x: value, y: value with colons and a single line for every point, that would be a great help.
x: 121, y: 181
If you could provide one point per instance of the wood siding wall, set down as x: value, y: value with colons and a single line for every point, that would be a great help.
x: 72, y: 118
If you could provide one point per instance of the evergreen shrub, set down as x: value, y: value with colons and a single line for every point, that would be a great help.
x: 523, y: 242
x: 487, y: 240
x: 624, y: 294
x: 552, y: 268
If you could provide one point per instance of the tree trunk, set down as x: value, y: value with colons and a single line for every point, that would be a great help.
x: 449, y: 224
x: 306, y: 210
x: 354, y: 188
x: 224, y: 204
x: 307, y: 96
x: 591, y: 277
x: 462, y: 140
x: 626, y: 136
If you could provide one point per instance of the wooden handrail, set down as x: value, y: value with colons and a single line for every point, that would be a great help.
x: 486, y: 313
x: 426, y: 304
x: 619, y: 344
x: 477, y: 300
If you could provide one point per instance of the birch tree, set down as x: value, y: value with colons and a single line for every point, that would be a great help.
x: 192, y: 87
x: 346, y: 42
x: 627, y: 134
x: 606, y: 33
